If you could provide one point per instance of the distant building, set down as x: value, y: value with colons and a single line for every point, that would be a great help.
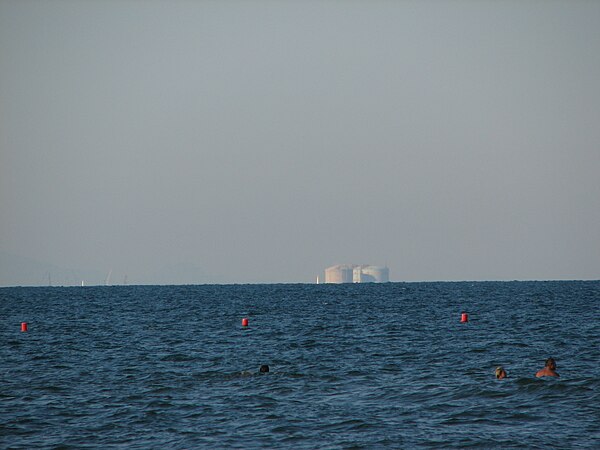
x: 354, y: 273
x: 342, y: 273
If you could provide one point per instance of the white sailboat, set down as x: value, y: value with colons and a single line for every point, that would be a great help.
x: 107, y: 280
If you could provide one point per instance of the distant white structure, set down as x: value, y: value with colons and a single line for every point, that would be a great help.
x: 372, y: 274
x: 342, y: 273
x: 354, y: 273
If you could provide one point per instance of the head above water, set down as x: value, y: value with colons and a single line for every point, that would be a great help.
x: 500, y: 372
x: 264, y: 368
x: 550, y: 363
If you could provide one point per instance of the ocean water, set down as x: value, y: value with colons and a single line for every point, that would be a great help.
x: 352, y: 366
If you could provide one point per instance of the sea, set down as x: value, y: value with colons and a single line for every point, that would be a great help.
x: 353, y: 366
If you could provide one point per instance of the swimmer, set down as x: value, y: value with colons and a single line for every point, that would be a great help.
x: 501, y: 373
x: 264, y: 368
x: 549, y: 369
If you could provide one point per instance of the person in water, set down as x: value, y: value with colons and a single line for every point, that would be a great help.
x: 501, y: 373
x: 264, y: 368
x: 549, y: 369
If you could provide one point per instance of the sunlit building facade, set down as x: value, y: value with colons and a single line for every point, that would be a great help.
x: 355, y: 273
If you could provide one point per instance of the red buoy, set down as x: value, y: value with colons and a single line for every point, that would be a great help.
x: 23, y: 327
x: 244, y: 322
x: 464, y: 317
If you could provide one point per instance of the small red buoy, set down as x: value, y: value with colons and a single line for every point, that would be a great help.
x: 23, y: 327
x: 464, y: 317
x: 244, y: 322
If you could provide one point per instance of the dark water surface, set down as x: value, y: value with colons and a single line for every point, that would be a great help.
x: 352, y: 366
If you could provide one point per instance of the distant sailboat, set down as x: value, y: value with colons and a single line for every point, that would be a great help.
x: 107, y: 280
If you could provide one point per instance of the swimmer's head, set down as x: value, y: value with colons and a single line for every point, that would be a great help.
x: 500, y: 372
x: 550, y: 363
x: 264, y: 368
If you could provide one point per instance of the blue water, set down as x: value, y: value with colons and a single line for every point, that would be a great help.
x: 352, y: 366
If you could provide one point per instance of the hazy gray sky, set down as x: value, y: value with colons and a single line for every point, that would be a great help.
x: 262, y: 141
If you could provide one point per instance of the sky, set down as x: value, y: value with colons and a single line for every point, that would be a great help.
x: 262, y: 141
